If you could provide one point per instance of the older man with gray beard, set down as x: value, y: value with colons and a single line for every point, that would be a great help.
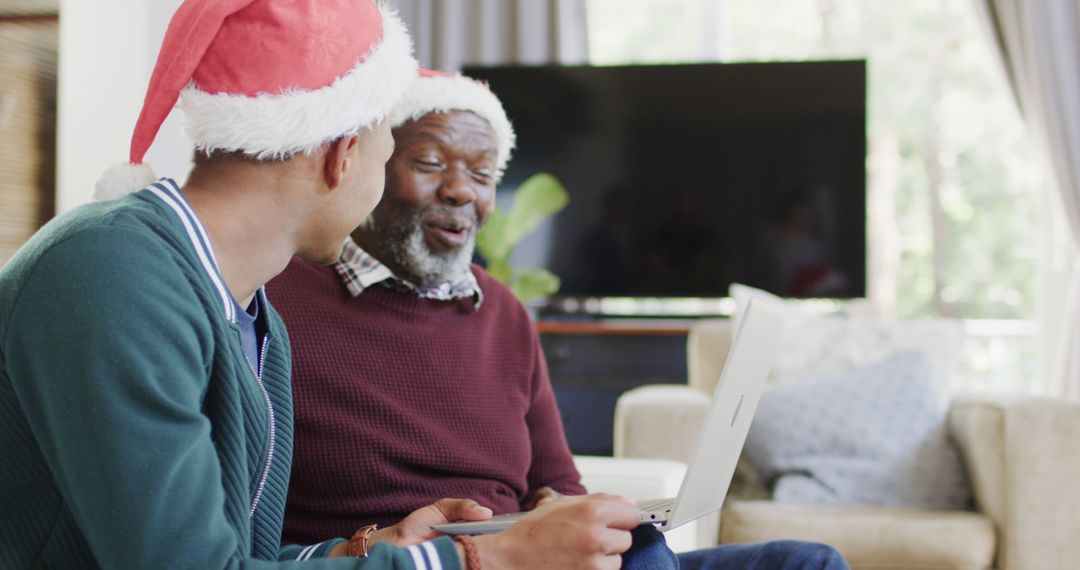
x: 417, y: 375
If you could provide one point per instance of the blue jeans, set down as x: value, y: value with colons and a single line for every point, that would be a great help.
x: 776, y: 555
x: 650, y: 552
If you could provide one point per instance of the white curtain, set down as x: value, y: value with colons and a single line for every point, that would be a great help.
x: 1039, y: 45
x: 452, y: 33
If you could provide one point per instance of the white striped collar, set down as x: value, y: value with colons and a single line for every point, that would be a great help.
x: 168, y: 192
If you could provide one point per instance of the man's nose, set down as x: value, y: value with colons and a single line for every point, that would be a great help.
x: 456, y: 188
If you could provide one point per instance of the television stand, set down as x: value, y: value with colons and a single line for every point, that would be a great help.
x: 593, y: 362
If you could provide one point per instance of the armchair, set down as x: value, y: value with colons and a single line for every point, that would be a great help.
x: 1022, y: 456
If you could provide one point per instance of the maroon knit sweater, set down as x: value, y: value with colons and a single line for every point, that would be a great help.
x: 401, y: 401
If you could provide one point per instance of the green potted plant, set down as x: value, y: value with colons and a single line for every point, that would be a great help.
x: 538, y: 198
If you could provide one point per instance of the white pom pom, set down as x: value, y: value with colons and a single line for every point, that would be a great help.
x: 123, y: 179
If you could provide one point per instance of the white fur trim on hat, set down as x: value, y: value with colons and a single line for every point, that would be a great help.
x: 276, y: 126
x: 457, y: 93
x: 123, y: 178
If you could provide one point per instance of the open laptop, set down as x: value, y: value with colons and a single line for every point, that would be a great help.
x: 722, y: 435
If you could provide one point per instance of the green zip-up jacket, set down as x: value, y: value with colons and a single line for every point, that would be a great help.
x: 133, y: 430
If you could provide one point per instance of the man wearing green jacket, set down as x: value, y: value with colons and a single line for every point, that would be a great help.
x: 145, y: 402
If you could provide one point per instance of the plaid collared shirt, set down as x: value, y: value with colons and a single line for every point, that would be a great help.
x: 359, y: 270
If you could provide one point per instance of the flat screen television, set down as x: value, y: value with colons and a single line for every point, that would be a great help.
x: 686, y: 178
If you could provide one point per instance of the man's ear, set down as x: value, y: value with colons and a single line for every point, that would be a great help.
x: 340, y: 157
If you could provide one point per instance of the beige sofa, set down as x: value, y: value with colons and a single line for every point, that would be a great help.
x: 1022, y: 455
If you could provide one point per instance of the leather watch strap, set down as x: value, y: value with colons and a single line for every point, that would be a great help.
x: 361, y: 541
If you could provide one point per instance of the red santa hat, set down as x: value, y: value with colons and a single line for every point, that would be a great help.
x: 439, y: 92
x: 270, y: 78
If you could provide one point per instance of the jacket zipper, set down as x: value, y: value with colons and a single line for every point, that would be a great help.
x: 273, y: 425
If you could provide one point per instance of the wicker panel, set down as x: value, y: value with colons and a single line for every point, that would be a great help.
x: 28, y: 53
x: 28, y: 7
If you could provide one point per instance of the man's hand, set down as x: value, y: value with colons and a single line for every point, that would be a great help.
x: 541, y: 497
x: 416, y: 527
x: 588, y: 532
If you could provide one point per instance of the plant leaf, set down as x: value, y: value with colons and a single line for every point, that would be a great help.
x: 538, y: 198
x: 534, y: 283
x: 491, y: 239
x: 500, y: 269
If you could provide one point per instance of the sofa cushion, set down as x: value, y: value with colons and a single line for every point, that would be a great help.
x: 872, y: 436
x: 870, y: 538
x: 815, y: 344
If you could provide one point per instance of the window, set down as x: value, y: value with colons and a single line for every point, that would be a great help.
x: 28, y: 60
x: 953, y: 187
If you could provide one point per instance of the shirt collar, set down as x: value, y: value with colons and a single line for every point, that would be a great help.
x: 359, y: 270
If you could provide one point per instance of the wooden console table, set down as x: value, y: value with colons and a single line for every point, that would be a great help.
x: 615, y: 327
x: 593, y: 362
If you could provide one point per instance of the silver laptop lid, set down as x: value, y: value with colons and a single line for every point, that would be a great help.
x: 721, y: 438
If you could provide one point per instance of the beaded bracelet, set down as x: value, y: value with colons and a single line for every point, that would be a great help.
x: 472, y: 557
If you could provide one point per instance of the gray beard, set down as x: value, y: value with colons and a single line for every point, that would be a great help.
x: 404, y: 246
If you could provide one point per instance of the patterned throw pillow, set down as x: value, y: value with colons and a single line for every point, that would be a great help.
x: 871, y: 436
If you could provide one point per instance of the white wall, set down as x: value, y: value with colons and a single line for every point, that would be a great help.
x: 107, y: 51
